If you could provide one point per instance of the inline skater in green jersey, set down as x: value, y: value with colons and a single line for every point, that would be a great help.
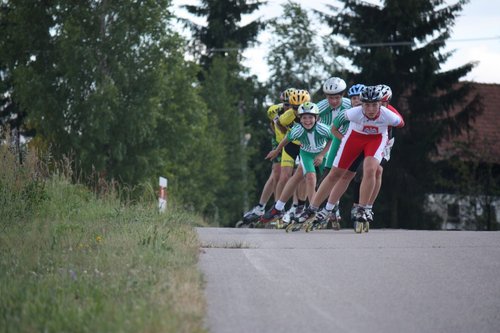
x: 315, y: 139
x: 329, y: 108
x: 290, y: 152
x: 273, y: 113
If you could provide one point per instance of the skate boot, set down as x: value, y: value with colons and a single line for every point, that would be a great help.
x: 299, y: 210
x: 320, y: 220
x: 369, y: 220
x: 306, y: 216
x: 359, y: 220
x: 353, y: 213
x: 251, y: 217
x: 287, y: 217
x: 334, y: 219
x: 271, y: 215
x: 338, y: 218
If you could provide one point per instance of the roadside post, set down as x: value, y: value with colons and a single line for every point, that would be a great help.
x: 162, y: 198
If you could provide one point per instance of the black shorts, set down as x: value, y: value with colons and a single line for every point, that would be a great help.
x: 292, y: 149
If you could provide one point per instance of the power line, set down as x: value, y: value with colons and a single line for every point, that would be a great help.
x: 431, y: 42
x: 381, y: 44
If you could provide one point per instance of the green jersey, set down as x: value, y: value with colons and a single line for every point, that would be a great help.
x: 313, y: 140
x: 341, y: 122
x: 327, y: 114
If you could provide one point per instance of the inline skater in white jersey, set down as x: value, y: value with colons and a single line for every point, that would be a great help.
x: 386, y: 98
x: 367, y: 135
x: 331, y: 214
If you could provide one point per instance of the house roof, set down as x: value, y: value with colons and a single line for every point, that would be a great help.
x: 484, y: 135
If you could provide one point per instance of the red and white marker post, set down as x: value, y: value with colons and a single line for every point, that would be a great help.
x: 162, y: 198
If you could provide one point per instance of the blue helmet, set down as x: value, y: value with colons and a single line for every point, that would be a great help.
x: 355, y: 90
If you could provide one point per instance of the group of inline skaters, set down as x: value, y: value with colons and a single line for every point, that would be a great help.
x: 335, y: 140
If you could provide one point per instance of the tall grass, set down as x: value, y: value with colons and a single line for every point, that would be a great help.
x: 72, y: 261
x: 21, y: 186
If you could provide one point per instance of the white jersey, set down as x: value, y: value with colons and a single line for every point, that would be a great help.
x: 361, y: 124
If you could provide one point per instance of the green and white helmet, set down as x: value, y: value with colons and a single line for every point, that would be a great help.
x: 308, y: 108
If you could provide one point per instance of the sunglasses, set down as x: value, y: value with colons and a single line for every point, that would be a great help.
x: 295, y: 107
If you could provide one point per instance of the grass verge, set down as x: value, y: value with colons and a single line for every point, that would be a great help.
x: 80, y: 263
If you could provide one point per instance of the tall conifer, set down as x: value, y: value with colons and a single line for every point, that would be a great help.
x: 400, y: 43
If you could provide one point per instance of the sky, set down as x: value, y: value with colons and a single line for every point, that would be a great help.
x: 475, y: 37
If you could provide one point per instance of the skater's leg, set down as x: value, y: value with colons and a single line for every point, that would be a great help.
x: 270, y: 185
x: 370, y: 166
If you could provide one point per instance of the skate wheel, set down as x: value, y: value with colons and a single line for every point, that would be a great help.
x: 358, y: 227
x: 336, y: 226
x: 366, y: 227
x: 289, y: 227
x: 238, y: 224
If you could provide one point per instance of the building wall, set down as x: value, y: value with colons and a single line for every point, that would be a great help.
x: 464, y: 212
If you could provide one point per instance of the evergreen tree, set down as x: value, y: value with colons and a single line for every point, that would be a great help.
x: 400, y: 44
x: 229, y: 95
x: 223, y: 29
x: 297, y: 57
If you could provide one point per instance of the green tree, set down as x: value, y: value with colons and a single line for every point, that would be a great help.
x: 190, y: 149
x: 19, y: 44
x: 223, y: 29
x: 236, y: 126
x: 400, y: 44
x: 297, y: 57
x: 230, y: 97
x: 107, y: 83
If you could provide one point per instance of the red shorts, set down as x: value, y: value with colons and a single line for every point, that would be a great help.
x: 354, y: 143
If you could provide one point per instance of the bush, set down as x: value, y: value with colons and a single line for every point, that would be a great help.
x: 22, y: 188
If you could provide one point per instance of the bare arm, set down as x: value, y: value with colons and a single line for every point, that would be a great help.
x: 336, y: 133
x: 273, y: 153
x: 319, y: 158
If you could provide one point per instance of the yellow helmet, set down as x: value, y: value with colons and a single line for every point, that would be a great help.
x: 299, y: 97
x: 285, y: 95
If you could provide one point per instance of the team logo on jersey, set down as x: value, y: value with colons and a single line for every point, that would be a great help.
x: 370, y: 129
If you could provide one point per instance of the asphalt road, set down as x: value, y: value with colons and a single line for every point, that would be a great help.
x: 260, y: 280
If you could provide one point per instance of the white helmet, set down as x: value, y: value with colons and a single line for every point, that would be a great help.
x: 308, y: 108
x: 386, y: 92
x: 334, y: 85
